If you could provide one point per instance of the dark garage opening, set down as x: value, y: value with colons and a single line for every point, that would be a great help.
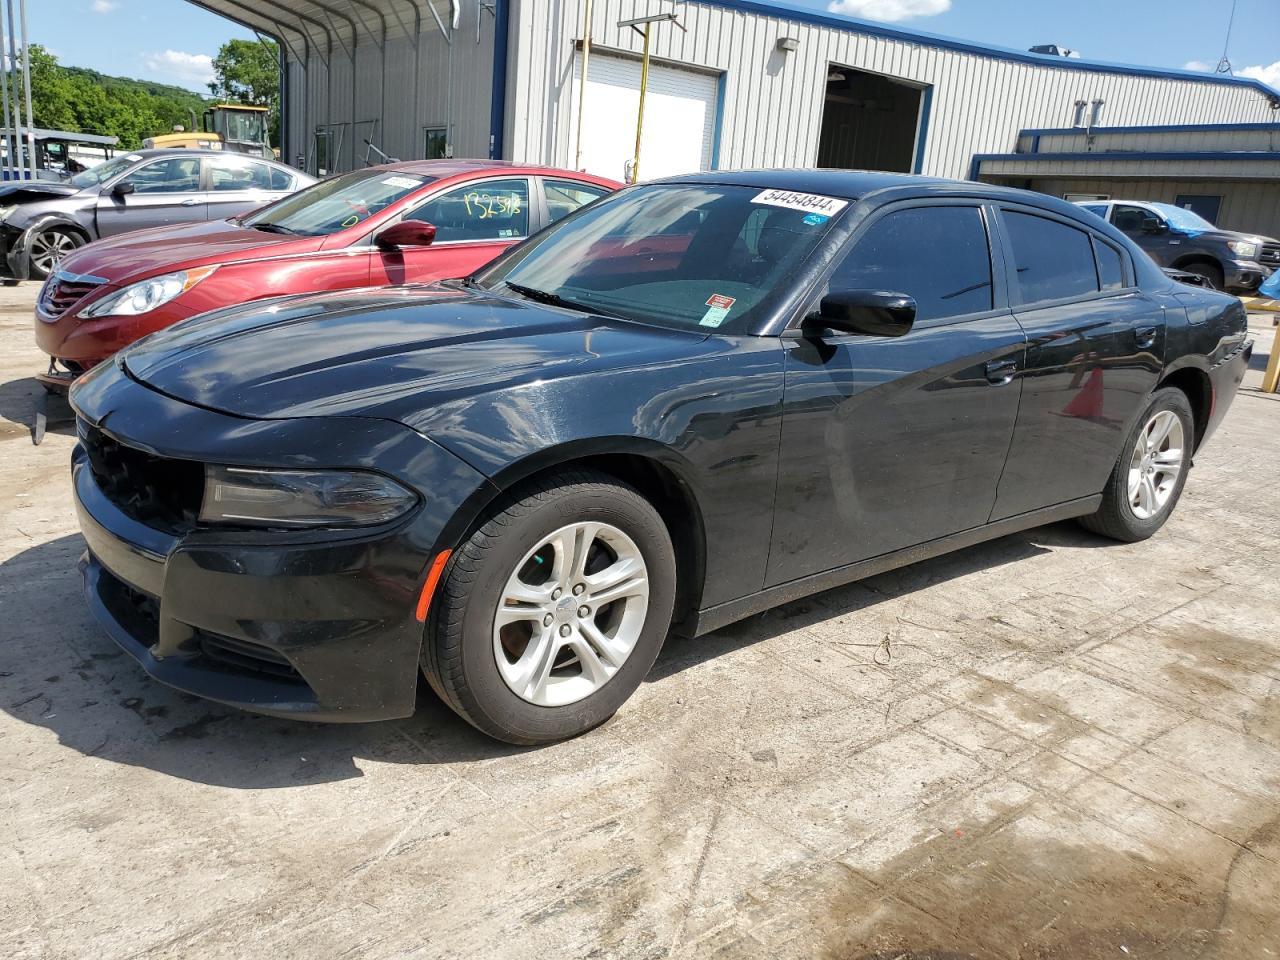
x: 869, y: 122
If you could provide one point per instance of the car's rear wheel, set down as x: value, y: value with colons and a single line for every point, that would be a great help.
x: 1150, y: 472
x: 48, y: 247
x: 553, y: 610
x: 1211, y: 272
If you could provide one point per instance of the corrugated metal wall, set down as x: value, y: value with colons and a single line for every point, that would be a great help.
x: 773, y: 101
x: 1251, y: 206
x: 401, y: 85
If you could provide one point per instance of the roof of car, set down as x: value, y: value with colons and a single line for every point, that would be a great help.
x: 450, y: 168
x: 184, y: 152
x: 856, y: 184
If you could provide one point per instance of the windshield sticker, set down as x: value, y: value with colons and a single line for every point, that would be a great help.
x: 815, y: 219
x: 717, y: 309
x: 404, y: 183
x: 808, y: 202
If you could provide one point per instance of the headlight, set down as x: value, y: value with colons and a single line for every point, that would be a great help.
x: 146, y: 295
x: 1245, y: 248
x: 301, y: 498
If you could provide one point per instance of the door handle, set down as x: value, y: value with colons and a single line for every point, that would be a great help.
x: 1001, y: 372
x: 1146, y: 336
x: 191, y: 202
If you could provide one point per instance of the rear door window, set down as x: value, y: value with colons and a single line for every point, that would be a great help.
x: 1110, y: 265
x: 938, y: 255
x: 1053, y: 261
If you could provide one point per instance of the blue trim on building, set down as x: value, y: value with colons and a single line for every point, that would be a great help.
x: 1038, y: 132
x: 719, y: 121
x: 979, y: 158
x: 1126, y: 155
x: 787, y: 11
x: 498, y: 97
x: 922, y: 134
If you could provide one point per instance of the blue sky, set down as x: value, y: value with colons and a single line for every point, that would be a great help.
x: 172, y: 41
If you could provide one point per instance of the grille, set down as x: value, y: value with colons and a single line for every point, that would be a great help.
x: 1270, y: 254
x: 244, y: 655
x: 161, y: 492
x: 62, y: 291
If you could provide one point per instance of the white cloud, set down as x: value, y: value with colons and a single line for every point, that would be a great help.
x: 890, y: 10
x: 188, y: 69
x: 1268, y: 73
x: 1198, y: 65
x: 104, y: 6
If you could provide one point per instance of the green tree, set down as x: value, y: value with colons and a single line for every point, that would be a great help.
x: 248, y: 71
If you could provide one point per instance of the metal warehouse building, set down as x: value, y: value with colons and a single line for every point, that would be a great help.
x: 741, y: 83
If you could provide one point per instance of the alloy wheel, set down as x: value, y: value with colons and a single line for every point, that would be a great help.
x: 570, y: 614
x: 49, y: 247
x: 1155, y: 464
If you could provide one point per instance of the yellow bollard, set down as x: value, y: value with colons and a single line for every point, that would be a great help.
x: 1271, y: 379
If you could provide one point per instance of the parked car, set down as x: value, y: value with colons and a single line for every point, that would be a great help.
x: 41, y: 223
x: 399, y: 223
x: 1176, y: 237
x: 682, y: 405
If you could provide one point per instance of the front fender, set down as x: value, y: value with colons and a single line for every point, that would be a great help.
x: 18, y: 256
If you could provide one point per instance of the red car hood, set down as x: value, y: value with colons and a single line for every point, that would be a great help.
x: 145, y: 253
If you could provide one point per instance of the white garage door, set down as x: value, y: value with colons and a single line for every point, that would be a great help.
x: 679, y: 118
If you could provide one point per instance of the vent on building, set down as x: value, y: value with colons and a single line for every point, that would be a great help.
x: 1054, y: 50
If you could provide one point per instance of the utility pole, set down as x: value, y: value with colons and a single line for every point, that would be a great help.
x: 636, y: 24
x: 26, y: 82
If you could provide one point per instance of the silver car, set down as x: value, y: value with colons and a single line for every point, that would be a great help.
x: 41, y: 222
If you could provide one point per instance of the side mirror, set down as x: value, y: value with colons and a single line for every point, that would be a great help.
x: 407, y: 233
x: 1153, y: 225
x: 873, y: 313
x: 122, y: 189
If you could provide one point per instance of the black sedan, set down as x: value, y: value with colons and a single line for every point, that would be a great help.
x: 686, y: 403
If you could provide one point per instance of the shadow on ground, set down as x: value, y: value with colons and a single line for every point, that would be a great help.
x: 58, y: 671
x: 18, y: 399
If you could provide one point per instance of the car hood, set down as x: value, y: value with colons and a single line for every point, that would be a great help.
x: 391, y: 352
x: 144, y: 253
x: 25, y: 191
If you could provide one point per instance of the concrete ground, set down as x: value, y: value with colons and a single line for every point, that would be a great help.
x: 1050, y: 746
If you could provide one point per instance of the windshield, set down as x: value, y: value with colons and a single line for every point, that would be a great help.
x: 104, y: 171
x: 337, y: 203
x: 1181, y: 218
x: 697, y: 256
x: 245, y: 125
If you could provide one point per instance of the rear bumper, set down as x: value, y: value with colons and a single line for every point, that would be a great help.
x: 1225, y: 378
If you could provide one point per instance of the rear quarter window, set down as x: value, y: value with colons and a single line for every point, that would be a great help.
x: 1110, y: 265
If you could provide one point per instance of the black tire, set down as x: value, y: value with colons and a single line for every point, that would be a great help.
x: 1116, y: 518
x: 1211, y: 272
x: 458, y: 654
x: 55, y: 235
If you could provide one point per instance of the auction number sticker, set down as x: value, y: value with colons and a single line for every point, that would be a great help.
x: 404, y: 183
x: 806, y: 202
x: 717, y: 309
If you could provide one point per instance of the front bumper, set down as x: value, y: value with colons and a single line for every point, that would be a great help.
x: 314, y: 626
x: 1244, y: 275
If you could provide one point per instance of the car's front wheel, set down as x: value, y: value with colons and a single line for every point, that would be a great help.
x: 1148, y: 477
x: 553, y: 610
x: 48, y: 247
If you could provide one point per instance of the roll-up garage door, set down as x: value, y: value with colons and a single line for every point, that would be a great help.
x: 679, y: 118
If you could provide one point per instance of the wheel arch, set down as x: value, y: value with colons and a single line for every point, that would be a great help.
x: 1194, y: 382
x: 1189, y: 259
x: 661, y: 475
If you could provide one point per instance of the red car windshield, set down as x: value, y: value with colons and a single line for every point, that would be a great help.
x: 336, y: 204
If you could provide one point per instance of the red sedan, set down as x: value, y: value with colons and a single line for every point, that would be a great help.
x: 399, y: 223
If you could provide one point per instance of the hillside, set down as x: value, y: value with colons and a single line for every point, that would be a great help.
x: 76, y: 98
